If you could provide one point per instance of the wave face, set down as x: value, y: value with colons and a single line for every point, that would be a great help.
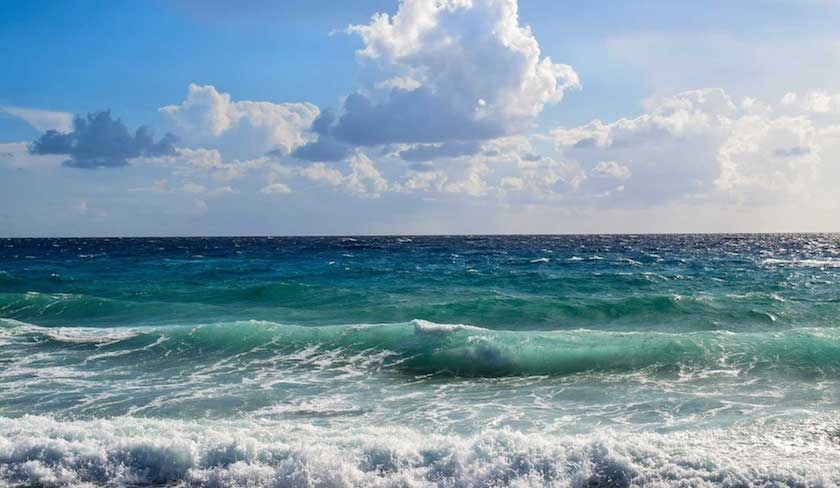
x: 427, y: 348
x: 424, y: 361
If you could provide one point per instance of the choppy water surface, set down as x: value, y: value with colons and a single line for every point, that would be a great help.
x: 421, y: 361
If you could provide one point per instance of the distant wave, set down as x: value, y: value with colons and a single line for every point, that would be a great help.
x: 807, y: 263
x: 423, y: 347
x: 42, y: 451
x: 331, y: 305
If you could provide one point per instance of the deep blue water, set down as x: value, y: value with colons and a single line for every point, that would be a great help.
x: 429, y: 361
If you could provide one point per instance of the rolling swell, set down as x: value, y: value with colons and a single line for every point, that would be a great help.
x: 422, y: 347
x: 328, y: 305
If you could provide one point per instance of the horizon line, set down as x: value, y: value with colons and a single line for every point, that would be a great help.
x: 524, y: 234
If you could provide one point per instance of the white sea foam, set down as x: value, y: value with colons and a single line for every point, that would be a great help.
x: 85, y: 335
x: 128, y: 451
x: 426, y: 327
x: 805, y: 263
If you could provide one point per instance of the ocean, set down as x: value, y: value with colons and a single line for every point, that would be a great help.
x: 584, y: 361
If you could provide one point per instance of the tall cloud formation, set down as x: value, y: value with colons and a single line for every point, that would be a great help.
x: 455, y: 70
x: 98, y: 141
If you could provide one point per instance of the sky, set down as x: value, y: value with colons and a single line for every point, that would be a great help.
x: 259, y: 117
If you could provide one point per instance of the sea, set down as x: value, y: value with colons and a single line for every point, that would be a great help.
x: 433, y: 361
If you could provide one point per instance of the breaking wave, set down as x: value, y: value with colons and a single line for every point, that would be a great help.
x: 42, y: 451
x: 423, y: 347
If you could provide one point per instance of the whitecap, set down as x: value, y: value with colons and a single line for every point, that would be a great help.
x: 805, y: 263
x: 426, y: 327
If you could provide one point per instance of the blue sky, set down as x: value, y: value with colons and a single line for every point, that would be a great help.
x: 482, y: 116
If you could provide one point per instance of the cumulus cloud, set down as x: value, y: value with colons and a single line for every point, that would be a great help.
x: 240, y: 128
x: 473, y: 183
x: 695, y: 147
x: 505, y: 169
x: 97, y: 140
x: 702, y: 144
x: 357, y: 176
x: 690, y: 147
x: 454, y: 70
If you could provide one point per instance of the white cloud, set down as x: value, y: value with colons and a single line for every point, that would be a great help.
x: 547, y: 174
x: 611, y: 169
x: 473, y: 182
x: 207, y: 162
x: 361, y: 177
x: 819, y: 102
x: 769, y: 156
x: 477, y: 47
x: 514, y: 183
x: 406, y: 83
x: 43, y: 120
x: 321, y: 173
x: 240, y: 128
x: 424, y: 181
x: 684, y: 114
x: 364, y: 179
x: 702, y: 145
x: 691, y: 147
x: 456, y: 69
x: 276, y: 189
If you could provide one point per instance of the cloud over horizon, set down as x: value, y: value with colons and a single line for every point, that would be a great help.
x: 240, y: 128
x: 98, y: 141
x: 456, y: 104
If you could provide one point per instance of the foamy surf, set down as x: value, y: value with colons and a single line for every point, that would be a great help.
x: 43, y: 451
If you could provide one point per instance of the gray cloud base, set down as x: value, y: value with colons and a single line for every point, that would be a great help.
x: 408, y: 117
x: 99, y: 141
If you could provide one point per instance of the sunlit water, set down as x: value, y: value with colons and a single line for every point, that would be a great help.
x: 422, y: 361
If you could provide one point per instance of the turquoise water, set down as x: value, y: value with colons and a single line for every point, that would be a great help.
x: 421, y: 361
